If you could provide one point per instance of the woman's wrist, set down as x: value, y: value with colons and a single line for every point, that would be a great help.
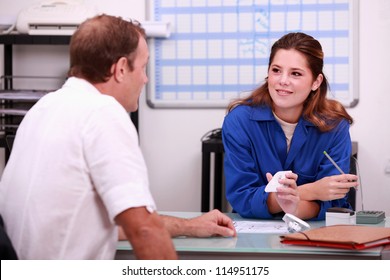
x: 306, y: 192
x: 273, y: 205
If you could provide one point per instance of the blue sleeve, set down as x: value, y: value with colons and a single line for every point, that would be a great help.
x: 340, y: 149
x: 244, y: 183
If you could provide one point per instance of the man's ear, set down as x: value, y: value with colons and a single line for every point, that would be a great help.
x: 119, y: 69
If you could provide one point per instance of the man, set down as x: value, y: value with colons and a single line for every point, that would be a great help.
x: 76, y: 170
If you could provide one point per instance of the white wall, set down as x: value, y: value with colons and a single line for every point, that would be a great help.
x: 372, y: 115
x: 170, y: 139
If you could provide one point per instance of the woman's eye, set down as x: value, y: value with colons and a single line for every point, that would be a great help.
x: 296, y: 74
x: 275, y: 70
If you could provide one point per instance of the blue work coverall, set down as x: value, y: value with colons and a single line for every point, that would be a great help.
x: 255, y: 144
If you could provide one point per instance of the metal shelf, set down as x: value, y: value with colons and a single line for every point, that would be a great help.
x: 8, y: 40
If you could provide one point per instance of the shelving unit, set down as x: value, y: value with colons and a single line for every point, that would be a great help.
x: 12, y: 120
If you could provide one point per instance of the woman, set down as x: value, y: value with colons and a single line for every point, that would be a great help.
x: 286, y: 124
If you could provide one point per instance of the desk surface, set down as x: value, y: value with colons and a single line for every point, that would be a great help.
x: 256, y: 246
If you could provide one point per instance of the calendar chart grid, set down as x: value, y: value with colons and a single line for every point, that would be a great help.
x: 218, y: 49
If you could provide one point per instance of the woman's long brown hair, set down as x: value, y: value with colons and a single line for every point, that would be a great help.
x: 323, y: 112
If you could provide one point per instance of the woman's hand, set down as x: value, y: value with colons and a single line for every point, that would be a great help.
x: 331, y: 187
x: 287, y: 197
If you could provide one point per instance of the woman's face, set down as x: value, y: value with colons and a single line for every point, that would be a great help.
x: 290, y: 82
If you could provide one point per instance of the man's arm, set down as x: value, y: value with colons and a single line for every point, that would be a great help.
x: 213, y: 223
x: 146, y: 234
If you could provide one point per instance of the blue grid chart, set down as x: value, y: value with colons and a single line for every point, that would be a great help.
x: 218, y: 49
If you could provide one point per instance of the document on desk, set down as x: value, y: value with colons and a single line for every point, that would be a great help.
x: 260, y: 227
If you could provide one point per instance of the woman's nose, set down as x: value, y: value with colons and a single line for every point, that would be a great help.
x: 284, y: 79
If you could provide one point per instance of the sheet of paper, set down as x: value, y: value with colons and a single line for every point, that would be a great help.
x: 260, y: 227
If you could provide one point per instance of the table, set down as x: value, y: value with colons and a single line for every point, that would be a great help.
x: 256, y: 246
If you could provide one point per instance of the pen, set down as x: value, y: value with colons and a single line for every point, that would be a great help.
x: 333, y: 162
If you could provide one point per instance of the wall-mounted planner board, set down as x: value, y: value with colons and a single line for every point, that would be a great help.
x: 218, y: 49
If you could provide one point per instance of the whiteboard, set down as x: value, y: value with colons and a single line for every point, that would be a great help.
x: 218, y: 49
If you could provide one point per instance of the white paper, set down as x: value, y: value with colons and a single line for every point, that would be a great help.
x: 260, y: 227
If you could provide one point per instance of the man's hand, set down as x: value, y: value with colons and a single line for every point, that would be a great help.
x: 213, y: 223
